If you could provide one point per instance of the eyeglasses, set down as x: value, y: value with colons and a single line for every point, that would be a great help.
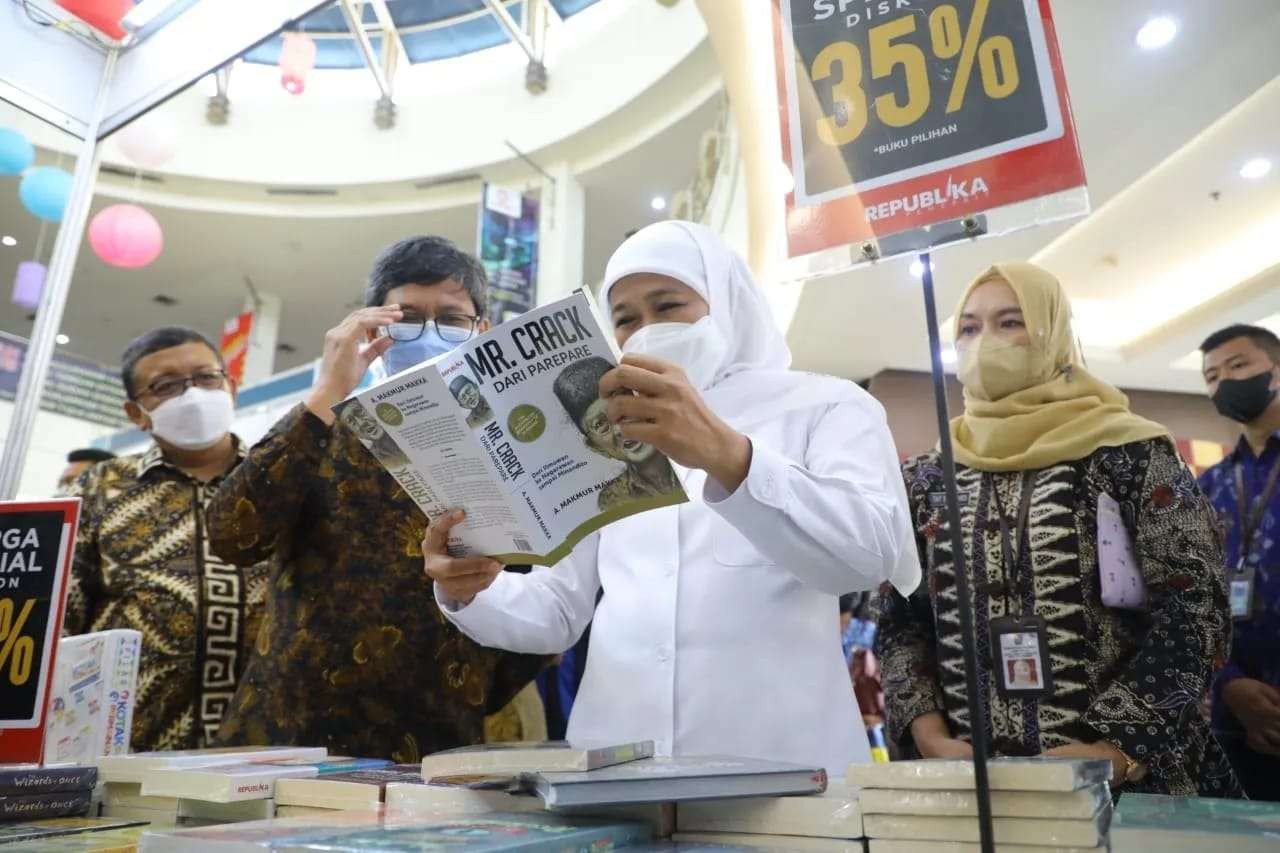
x: 172, y: 386
x: 454, y: 328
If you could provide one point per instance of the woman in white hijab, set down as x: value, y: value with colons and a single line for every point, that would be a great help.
x: 717, y: 630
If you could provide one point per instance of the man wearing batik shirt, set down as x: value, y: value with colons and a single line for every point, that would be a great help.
x: 142, y: 558
x: 1242, y: 371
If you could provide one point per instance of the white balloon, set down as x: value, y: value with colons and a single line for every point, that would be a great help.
x: 149, y: 142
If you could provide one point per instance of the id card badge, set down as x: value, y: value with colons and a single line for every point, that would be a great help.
x: 1240, y: 591
x: 1020, y: 652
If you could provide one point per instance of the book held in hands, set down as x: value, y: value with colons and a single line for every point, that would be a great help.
x: 511, y: 428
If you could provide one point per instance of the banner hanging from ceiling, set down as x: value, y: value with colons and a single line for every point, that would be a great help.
x: 900, y: 114
x: 509, y: 250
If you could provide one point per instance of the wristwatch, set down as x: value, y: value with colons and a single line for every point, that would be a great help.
x: 1130, y: 766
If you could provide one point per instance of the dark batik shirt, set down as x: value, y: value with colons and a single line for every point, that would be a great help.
x: 1136, y: 679
x: 1255, y: 647
x: 143, y: 561
x: 353, y: 654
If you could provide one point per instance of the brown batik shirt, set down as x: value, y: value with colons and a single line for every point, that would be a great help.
x: 142, y: 561
x: 353, y: 653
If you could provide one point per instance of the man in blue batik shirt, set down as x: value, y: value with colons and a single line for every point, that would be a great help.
x: 1242, y: 371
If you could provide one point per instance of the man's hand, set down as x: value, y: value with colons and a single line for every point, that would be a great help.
x: 1101, y: 749
x: 347, y: 355
x: 1256, y: 705
x: 653, y: 401
x: 459, y: 579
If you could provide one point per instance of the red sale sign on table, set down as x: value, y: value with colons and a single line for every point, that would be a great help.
x: 900, y: 114
x: 37, y: 541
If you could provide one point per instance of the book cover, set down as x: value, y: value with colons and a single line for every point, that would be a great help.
x: 27, y: 780
x: 109, y: 841
x: 1007, y: 830
x: 1146, y: 822
x: 676, y: 779
x: 1084, y: 803
x: 25, y: 831
x: 898, y: 846
x: 454, y: 799
x: 37, y: 806
x: 346, y: 790
x: 780, y: 843
x: 223, y: 783
x: 531, y: 757
x: 94, y: 689
x: 834, y: 814
x: 335, y: 764
x: 511, y: 428
x: 359, y: 831
x: 133, y: 767
x: 1004, y: 774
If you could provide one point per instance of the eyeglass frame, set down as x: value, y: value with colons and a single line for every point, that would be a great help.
x: 185, y: 382
x: 435, y: 321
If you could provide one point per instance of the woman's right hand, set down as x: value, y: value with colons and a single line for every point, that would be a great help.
x: 933, y: 738
x: 460, y: 579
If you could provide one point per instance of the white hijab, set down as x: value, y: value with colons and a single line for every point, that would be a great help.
x: 755, y: 382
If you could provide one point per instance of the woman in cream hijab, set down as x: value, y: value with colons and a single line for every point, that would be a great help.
x: 1084, y: 653
x: 716, y: 633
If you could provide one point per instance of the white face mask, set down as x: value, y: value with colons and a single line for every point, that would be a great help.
x: 194, y: 420
x: 698, y: 348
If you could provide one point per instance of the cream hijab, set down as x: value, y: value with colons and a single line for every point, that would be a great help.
x: 1066, y: 414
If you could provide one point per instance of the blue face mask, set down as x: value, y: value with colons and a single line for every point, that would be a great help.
x: 406, y: 354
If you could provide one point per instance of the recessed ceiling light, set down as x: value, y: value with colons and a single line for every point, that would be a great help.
x: 62, y: 340
x: 917, y: 268
x: 658, y: 203
x: 1255, y: 168
x: 949, y: 355
x: 1157, y: 32
x: 8, y: 240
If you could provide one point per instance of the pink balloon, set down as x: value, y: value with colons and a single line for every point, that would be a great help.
x: 125, y: 235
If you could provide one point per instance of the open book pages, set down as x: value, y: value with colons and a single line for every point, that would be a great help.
x: 510, y: 427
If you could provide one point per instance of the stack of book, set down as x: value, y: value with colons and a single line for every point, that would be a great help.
x: 357, y: 790
x: 1038, y: 805
x: 29, y: 792
x: 831, y: 821
x: 1149, y: 822
x: 200, y: 786
x: 356, y: 832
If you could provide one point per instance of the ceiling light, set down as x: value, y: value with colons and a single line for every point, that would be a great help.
x: 949, y: 355
x: 8, y: 240
x: 1255, y: 168
x: 1157, y: 32
x: 917, y: 268
x: 658, y: 203
x: 63, y: 340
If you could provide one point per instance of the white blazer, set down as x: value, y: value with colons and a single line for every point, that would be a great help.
x: 718, y: 632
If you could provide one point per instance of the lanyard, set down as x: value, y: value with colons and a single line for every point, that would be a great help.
x: 1011, y: 550
x: 1249, y: 525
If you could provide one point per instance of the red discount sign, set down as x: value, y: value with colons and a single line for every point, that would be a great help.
x: 898, y: 114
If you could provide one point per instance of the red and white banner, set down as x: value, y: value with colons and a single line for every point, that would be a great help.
x: 235, y: 344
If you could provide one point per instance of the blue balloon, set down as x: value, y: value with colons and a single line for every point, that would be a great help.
x: 16, y: 152
x: 44, y: 192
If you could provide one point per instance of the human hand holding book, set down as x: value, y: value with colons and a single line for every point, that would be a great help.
x: 653, y: 402
x: 461, y: 579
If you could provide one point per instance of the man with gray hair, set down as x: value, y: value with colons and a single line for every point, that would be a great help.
x: 351, y: 655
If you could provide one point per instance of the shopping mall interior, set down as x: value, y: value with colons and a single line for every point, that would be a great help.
x: 614, y: 114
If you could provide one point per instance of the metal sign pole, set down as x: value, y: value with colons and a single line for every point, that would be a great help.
x: 977, y: 705
x: 35, y: 368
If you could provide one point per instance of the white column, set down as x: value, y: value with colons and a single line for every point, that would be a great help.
x: 561, y: 236
x: 264, y: 334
